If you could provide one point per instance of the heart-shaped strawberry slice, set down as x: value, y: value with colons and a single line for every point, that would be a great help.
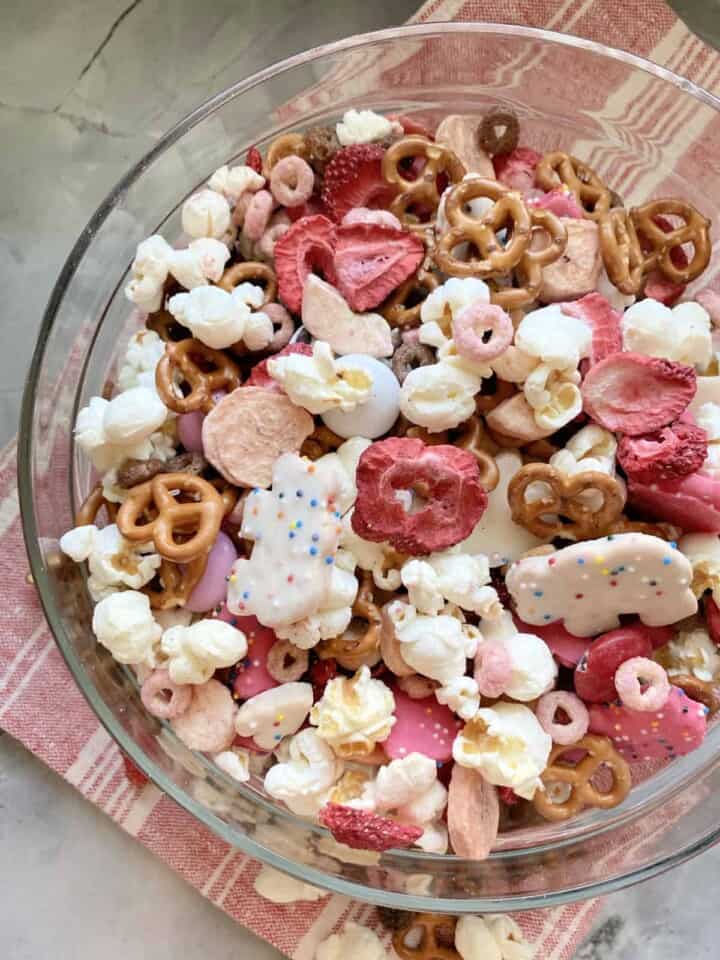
x: 372, y: 260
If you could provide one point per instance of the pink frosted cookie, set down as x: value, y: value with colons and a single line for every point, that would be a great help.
x: 251, y: 674
x: 589, y: 584
x: 421, y: 726
x: 678, y: 728
x: 692, y: 502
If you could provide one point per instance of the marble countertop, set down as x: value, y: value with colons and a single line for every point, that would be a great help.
x: 86, y: 87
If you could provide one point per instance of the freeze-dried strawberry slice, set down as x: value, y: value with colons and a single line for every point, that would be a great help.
x: 320, y: 674
x: 307, y: 247
x: 367, y: 831
x: 656, y: 285
x: 421, y: 498
x: 353, y: 178
x: 604, y: 321
x: 259, y: 376
x: 508, y: 796
x: 254, y: 159
x: 309, y: 209
x: 693, y: 503
x: 560, y: 202
x: 633, y: 393
x: 595, y: 673
x: 712, y: 619
x: 371, y: 260
x: 517, y: 169
x: 132, y: 773
x: 666, y: 454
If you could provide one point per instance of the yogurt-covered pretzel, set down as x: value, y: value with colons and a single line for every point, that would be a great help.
x: 423, y: 191
x: 585, y: 185
x: 620, y: 249
x: 189, y: 361
x: 695, y: 230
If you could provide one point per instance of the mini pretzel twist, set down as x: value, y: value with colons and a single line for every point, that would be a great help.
x: 197, y: 521
x: 436, y: 938
x: 92, y: 505
x: 423, y: 191
x: 203, y: 369
x: 402, y: 307
x: 591, y: 193
x: 562, y: 511
x: 706, y: 692
x: 600, y: 753
x: 321, y: 441
x: 359, y: 644
x: 695, y: 230
x: 172, y: 584
x: 473, y: 438
x: 252, y: 271
x: 620, y: 249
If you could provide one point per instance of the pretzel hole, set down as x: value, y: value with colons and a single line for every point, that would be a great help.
x: 414, y: 938
x: 558, y: 791
x: 603, y: 780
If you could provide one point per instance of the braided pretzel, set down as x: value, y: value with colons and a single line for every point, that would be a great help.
x: 402, y: 307
x: 620, y: 249
x: 92, y: 505
x: 473, y: 438
x: 286, y: 145
x: 251, y: 272
x: 321, y: 441
x: 358, y: 645
x: 174, y: 582
x: 600, y: 752
x: 548, y: 516
x: 198, y: 519
x: 591, y: 193
x: 205, y: 370
x: 706, y: 692
x: 436, y: 938
x: 694, y: 230
x: 422, y: 192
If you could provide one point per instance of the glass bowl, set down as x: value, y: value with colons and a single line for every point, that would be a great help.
x: 427, y: 71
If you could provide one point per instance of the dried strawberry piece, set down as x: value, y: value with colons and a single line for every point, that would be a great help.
x: 410, y: 125
x: 712, y: 619
x: 517, y: 169
x: 605, y: 323
x: 666, y: 454
x: 372, y: 260
x: 657, y: 286
x: 444, y: 479
x: 498, y: 582
x: 508, y: 796
x: 259, y: 376
x: 320, y: 674
x: 693, y: 502
x: 634, y: 394
x: 307, y: 247
x: 367, y: 831
x: 353, y: 178
x: 254, y: 159
x: 309, y: 209
x: 595, y: 674
x: 132, y: 773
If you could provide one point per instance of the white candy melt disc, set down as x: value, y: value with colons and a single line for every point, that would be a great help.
x: 374, y: 417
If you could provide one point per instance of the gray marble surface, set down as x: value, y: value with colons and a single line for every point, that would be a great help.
x: 86, y: 86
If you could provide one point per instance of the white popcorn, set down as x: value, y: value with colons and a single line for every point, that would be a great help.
x: 557, y: 339
x: 440, y: 308
x: 144, y: 351
x: 113, y: 561
x: 201, y: 262
x: 362, y: 126
x: 123, y: 623
x: 692, y: 652
x: 617, y: 300
x: 427, y: 807
x: 435, y: 646
x: 345, y: 459
x: 220, y: 319
x: 708, y: 418
x: 434, y: 838
x: 331, y: 619
x: 278, y: 887
x: 132, y: 416
x: 514, y: 365
x: 149, y: 272
x: 533, y: 667
x: 235, y: 763
x: 319, y: 382
x: 509, y: 937
x: 403, y: 780
x: 595, y: 442
x: 450, y: 576
x: 358, y: 943
x: 680, y: 333
x: 507, y: 745
x: 232, y: 182
x: 461, y: 695
x: 194, y: 653
x: 273, y: 714
x: 354, y: 713
x: 380, y: 558
x: 136, y: 419
x: 439, y: 396
x: 303, y: 781
x: 554, y: 396
x: 206, y: 214
x: 474, y: 940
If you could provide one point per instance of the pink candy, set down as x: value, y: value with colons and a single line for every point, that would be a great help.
x: 567, y: 649
x: 164, y: 698
x: 493, y: 668
x: 630, y: 678
x: 474, y: 323
x: 211, y: 589
x: 292, y: 181
x: 258, y: 215
x: 579, y: 718
x: 421, y: 726
x: 189, y: 428
x: 251, y: 674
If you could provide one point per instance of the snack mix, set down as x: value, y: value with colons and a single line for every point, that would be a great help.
x: 412, y: 479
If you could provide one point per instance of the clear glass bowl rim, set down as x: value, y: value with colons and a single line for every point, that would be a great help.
x: 25, y: 447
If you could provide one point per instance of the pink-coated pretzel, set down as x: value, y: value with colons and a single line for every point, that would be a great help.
x: 642, y: 684
x: 164, y: 698
x: 257, y: 215
x: 577, y: 712
x: 482, y: 331
x: 292, y: 181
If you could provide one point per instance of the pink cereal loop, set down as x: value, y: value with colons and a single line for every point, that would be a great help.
x: 154, y: 696
x: 258, y: 215
x: 283, y: 324
x: 476, y: 320
x: 563, y: 733
x: 241, y: 207
x: 417, y: 687
x: 630, y: 678
x: 364, y: 215
x: 292, y: 181
x: 279, y: 224
x: 277, y: 663
x: 493, y: 668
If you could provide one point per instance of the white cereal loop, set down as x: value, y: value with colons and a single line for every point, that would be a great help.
x: 163, y: 698
x: 286, y: 662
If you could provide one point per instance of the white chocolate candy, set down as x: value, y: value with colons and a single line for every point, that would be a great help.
x: 450, y: 577
x: 372, y: 417
x: 354, y: 713
x: 273, y: 714
x: 435, y: 646
x: 296, y: 529
x: 220, y: 319
x: 206, y: 214
x: 319, y: 383
x: 439, y: 396
x: 327, y: 316
x: 554, y: 337
x: 124, y: 624
x: 362, y: 126
x: 194, y: 653
x: 589, y: 584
